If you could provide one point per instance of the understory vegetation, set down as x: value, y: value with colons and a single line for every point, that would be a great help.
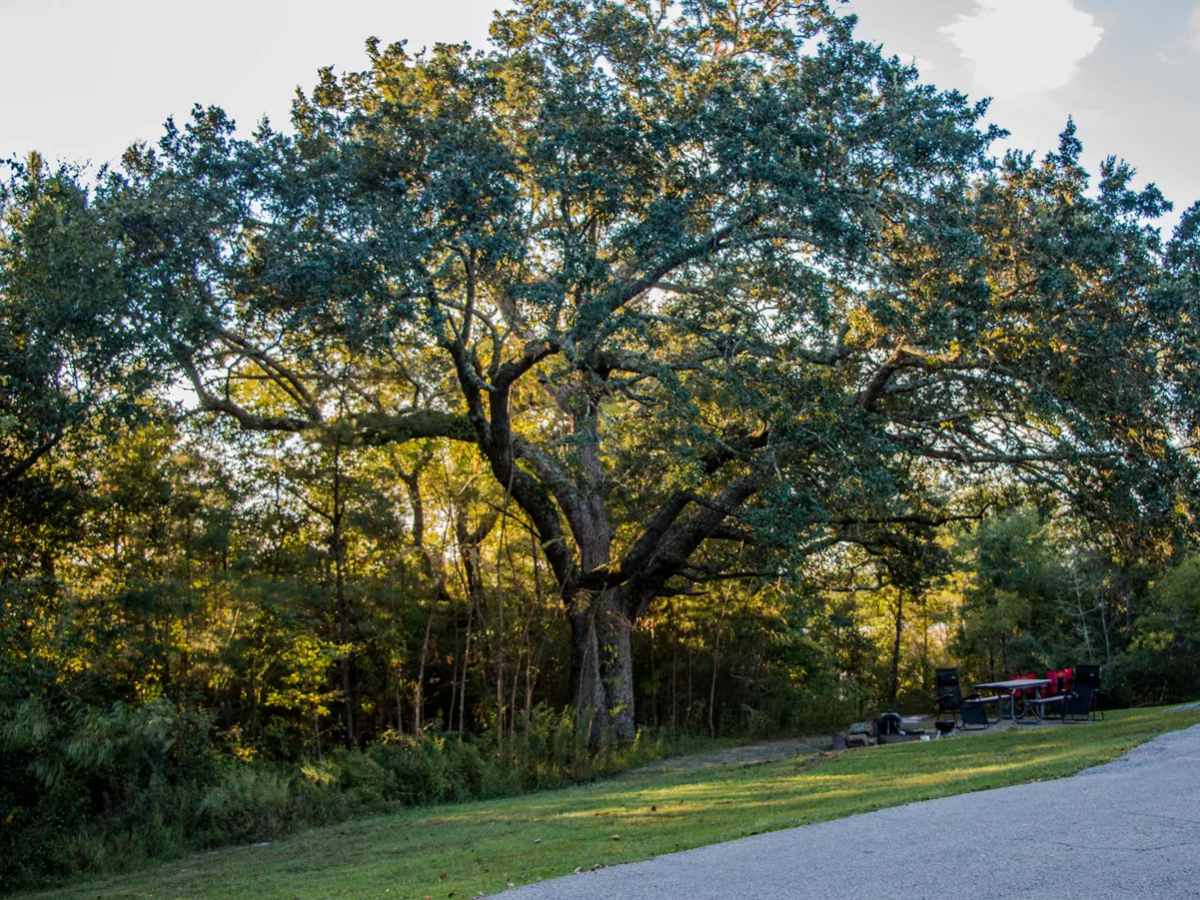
x: 480, y: 848
x: 96, y: 790
x: 658, y: 372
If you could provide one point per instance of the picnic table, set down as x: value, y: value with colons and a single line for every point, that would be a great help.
x: 1012, y: 686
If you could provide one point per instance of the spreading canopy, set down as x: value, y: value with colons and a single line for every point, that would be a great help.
x: 690, y: 276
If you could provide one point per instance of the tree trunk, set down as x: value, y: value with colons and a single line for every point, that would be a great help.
x: 653, y: 717
x: 344, y: 614
x: 472, y: 566
x: 722, y: 614
x: 498, y: 656
x: 614, y: 633
x: 530, y: 665
x: 687, y: 716
x: 1077, y: 587
x: 512, y: 696
x: 466, y: 660
x: 538, y: 605
x: 1104, y: 629
x: 712, y: 686
x: 419, y: 687
x: 926, y: 669
x: 601, y: 620
x: 454, y: 678
x: 602, y: 669
x: 894, y: 687
x: 586, y: 687
x: 674, y: 632
x: 399, y: 699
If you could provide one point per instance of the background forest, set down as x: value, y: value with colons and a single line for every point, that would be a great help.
x: 522, y: 414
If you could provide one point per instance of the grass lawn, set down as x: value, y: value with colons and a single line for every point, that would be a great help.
x: 463, y: 851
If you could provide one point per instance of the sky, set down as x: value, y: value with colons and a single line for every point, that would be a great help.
x: 83, y: 78
x: 1128, y: 71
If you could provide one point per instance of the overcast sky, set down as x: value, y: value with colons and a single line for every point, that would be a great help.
x: 82, y: 78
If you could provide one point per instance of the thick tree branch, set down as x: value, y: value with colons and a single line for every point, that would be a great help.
x: 210, y: 402
x: 279, y: 374
x: 623, y: 293
x: 377, y: 429
x: 646, y: 545
x: 533, y: 353
x: 683, y: 538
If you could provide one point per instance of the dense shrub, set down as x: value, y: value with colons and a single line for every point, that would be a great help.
x: 85, y: 789
x: 247, y: 803
x: 80, y: 785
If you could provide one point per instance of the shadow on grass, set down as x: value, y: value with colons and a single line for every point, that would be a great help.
x: 481, y: 847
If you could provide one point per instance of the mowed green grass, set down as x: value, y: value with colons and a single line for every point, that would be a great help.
x: 481, y: 848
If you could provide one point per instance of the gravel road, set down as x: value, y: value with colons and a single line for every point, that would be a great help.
x: 1130, y: 828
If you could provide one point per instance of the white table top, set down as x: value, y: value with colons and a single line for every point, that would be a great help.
x: 1014, y: 684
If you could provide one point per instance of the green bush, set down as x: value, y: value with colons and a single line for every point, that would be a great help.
x: 435, y: 768
x: 85, y: 789
x: 248, y: 803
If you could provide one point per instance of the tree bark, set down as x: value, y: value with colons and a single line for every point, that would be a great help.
x: 602, y: 667
x: 894, y: 686
x: 614, y: 633
x: 344, y: 614
x: 712, y: 686
x: 586, y: 687
x: 469, y: 543
x: 466, y: 661
x: 419, y: 687
x: 399, y: 699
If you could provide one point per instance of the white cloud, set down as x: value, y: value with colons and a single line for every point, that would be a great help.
x: 1023, y: 47
x: 924, y: 65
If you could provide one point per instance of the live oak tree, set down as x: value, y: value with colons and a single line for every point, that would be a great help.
x: 65, y: 360
x: 712, y: 287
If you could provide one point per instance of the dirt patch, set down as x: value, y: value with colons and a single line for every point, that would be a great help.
x: 773, y: 751
x: 748, y: 755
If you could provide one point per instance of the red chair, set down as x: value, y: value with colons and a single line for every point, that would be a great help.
x: 1068, y: 680
x: 1077, y: 699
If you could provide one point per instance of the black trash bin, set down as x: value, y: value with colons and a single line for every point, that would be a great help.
x: 888, y: 725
